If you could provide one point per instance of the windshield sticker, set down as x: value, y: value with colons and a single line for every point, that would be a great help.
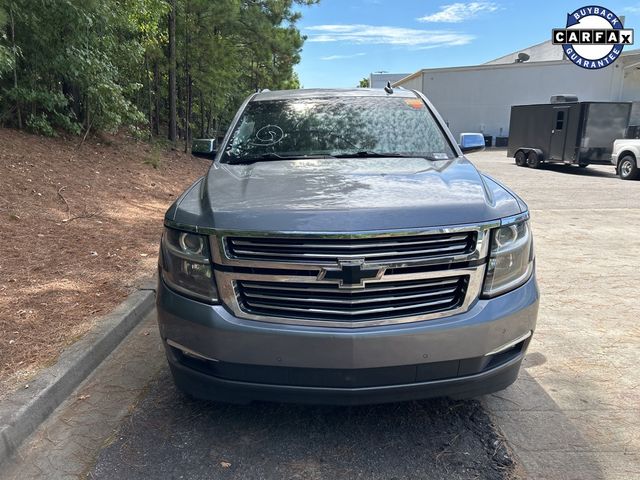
x: 414, y: 103
x: 440, y: 156
x: 267, y: 136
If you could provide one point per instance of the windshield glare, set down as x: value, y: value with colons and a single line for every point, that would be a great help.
x: 335, y: 127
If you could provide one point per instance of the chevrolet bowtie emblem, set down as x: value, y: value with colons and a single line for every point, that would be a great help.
x: 351, y: 273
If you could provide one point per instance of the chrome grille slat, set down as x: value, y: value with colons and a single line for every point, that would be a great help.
x: 347, y: 255
x: 352, y: 313
x: 328, y: 250
x: 330, y: 245
x: 348, y: 301
x: 371, y: 288
x: 328, y: 301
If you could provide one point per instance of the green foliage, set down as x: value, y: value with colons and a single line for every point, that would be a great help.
x: 6, y: 58
x: 51, y: 114
x: 40, y: 124
x: 80, y: 65
x: 364, y: 83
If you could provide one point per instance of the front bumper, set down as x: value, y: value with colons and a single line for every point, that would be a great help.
x: 214, y: 355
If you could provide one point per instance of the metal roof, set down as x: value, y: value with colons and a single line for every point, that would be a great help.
x: 627, y: 57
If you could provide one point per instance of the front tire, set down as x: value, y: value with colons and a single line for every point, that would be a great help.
x: 628, y: 168
x: 521, y: 159
x: 533, y: 160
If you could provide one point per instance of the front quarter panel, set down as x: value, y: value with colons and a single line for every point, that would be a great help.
x: 622, y: 146
x: 188, y: 208
x: 504, y: 196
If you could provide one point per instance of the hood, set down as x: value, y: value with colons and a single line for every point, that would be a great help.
x: 344, y: 195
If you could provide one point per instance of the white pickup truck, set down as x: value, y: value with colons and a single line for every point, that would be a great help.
x: 625, y: 157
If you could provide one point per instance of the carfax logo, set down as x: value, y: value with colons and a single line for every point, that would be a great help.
x: 594, y: 37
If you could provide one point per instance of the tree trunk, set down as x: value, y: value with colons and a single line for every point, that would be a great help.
x: 88, y: 121
x: 187, y: 80
x: 156, y: 92
x: 209, y: 121
x: 180, y: 111
x: 148, y: 82
x: 15, y: 65
x: 187, y: 116
x: 202, y: 132
x: 172, y: 71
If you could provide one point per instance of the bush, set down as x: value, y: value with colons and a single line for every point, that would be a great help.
x: 40, y: 124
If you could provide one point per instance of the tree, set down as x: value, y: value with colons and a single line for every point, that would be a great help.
x: 172, y: 71
x: 160, y: 67
x: 14, y: 59
x: 364, y: 83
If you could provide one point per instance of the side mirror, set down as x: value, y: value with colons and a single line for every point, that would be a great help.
x: 471, y: 142
x: 204, y: 147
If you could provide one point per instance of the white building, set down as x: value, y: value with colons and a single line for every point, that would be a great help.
x: 379, y: 80
x: 479, y: 98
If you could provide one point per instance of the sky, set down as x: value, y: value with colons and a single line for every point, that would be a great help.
x: 349, y: 39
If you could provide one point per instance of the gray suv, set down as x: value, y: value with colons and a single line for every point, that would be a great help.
x: 341, y: 249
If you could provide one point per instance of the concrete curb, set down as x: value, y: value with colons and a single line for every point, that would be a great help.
x: 23, y: 411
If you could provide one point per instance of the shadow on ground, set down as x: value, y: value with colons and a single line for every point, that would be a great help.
x: 171, y: 436
x: 574, y: 170
x: 546, y: 441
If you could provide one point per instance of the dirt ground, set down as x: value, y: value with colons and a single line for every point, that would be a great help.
x: 80, y: 229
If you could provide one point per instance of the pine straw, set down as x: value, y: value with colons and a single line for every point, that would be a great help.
x: 80, y: 230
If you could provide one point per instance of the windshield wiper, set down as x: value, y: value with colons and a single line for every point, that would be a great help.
x: 364, y: 154
x: 269, y: 157
x: 369, y: 154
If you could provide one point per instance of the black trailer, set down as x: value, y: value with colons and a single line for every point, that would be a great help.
x: 566, y: 131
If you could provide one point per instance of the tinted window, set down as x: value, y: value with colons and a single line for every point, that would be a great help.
x: 334, y: 126
x: 560, y: 120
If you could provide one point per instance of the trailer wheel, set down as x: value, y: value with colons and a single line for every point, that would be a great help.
x: 533, y: 161
x: 521, y: 159
x: 627, y: 168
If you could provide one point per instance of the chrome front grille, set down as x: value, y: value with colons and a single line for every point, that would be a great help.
x: 350, y: 280
x: 323, y: 301
x: 327, y: 250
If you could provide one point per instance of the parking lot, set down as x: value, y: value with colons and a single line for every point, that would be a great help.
x: 574, y: 412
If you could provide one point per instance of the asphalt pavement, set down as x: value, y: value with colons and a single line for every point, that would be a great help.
x: 170, y: 436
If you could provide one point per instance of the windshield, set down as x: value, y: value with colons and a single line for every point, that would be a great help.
x: 336, y: 127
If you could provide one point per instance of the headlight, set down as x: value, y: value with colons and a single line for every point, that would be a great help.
x: 185, y: 262
x: 511, y: 258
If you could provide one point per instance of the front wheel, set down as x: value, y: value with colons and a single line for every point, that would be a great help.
x: 583, y: 165
x: 627, y: 168
x: 521, y: 159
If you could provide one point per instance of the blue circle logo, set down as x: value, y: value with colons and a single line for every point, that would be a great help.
x: 593, y: 37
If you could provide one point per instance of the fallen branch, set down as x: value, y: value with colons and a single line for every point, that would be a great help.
x: 85, y: 134
x: 64, y: 199
x: 84, y: 215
